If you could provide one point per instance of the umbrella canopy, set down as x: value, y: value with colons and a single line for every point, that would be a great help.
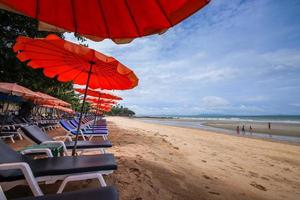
x: 120, y: 20
x: 50, y: 100
x: 98, y: 94
x: 72, y: 62
x: 64, y: 109
x: 100, y: 101
x: 105, y: 108
x: 17, y: 90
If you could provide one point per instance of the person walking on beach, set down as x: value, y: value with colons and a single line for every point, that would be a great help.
x: 238, y: 130
x: 269, y: 125
x: 243, y: 130
x: 250, y: 129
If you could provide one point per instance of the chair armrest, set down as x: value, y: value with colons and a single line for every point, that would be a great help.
x: 81, y: 177
x: 62, y: 143
x: 26, y: 170
x: 43, y: 150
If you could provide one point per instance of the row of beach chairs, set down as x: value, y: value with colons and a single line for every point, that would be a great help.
x: 18, y: 168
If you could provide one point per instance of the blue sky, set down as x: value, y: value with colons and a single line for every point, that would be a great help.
x: 232, y: 57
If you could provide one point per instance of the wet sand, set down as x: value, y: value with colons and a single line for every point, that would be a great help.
x: 164, y: 162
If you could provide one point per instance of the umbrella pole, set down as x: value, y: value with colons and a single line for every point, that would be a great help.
x: 82, y: 108
x: 96, y: 112
x: 5, y: 115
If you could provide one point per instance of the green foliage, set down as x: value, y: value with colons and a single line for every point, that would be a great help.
x: 119, y: 110
x: 12, y: 70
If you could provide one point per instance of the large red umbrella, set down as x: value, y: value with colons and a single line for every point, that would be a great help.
x: 72, y: 62
x: 120, y: 20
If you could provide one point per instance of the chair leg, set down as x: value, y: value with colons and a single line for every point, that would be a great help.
x: 12, y: 139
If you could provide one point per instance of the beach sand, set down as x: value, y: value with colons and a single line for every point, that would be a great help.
x: 164, y: 162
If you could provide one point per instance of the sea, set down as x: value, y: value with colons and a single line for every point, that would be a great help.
x: 198, y: 122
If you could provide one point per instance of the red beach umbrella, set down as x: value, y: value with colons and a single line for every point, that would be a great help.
x: 17, y: 90
x: 48, y: 99
x: 98, y: 94
x: 72, y: 62
x: 100, y: 101
x: 120, y: 20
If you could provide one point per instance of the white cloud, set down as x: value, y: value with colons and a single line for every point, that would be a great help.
x: 214, y: 102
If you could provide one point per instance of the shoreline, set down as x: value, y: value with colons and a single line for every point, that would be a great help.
x: 223, y: 127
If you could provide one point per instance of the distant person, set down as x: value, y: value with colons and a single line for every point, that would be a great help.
x: 243, y: 129
x: 269, y: 125
x: 238, y: 130
x: 250, y: 129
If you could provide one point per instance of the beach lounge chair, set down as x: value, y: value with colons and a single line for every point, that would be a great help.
x: 36, y: 135
x: 103, y: 193
x: 72, y: 131
x: 88, y: 127
x: 10, y: 132
x: 15, y: 167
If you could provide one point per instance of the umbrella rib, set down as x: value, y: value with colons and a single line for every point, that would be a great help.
x: 64, y: 51
x: 37, y: 44
x: 68, y: 70
x: 74, y: 15
x: 164, y: 12
x: 57, y: 65
x: 96, y: 69
x: 77, y: 75
x: 104, y: 18
x: 132, y: 19
x: 63, y: 54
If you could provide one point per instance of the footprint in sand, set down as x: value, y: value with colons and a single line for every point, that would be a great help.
x: 264, y: 178
x: 253, y: 174
x: 206, y: 177
x: 136, y: 171
x: 177, y: 148
x: 287, y: 169
x: 204, y: 161
x: 258, y: 186
x: 214, y: 193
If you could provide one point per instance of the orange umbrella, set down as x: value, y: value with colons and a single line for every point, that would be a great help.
x: 72, y: 62
x: 17, y: 90
x: 100, y: 101
x: 68, y: 110
x: 47, y: 99
x: 98, y: 94
x: 105, y: 108
x: 120, y: 20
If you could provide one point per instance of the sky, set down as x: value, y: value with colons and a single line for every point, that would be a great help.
x: 235, y: 57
